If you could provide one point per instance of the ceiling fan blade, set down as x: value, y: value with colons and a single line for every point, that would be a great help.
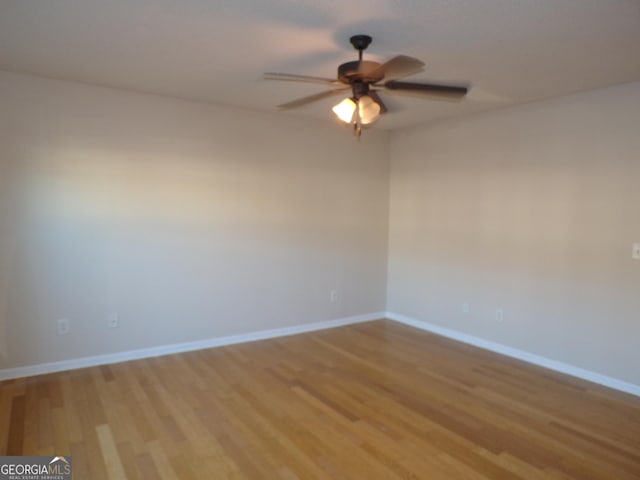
x: 398, y: 67
x: 427, y: 90
x: 313, y: 98
x: 376, y: 98
x: 290, y: 77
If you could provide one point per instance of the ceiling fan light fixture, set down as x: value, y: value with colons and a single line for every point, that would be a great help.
x: 367, y: 80
x: 368, y: 110
x: 345, y: 110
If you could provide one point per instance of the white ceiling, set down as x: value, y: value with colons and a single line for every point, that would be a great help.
x: 510, y: 51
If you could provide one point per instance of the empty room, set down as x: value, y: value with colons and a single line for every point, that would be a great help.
x: 296, y: 240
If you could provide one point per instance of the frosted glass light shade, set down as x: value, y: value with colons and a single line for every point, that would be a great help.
x: 345, y: 110
x: 368, y: 110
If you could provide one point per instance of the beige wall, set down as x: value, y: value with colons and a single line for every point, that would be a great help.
x: 533, y: 210
x: 195, y: 221
x: 6, y: 248
x: 190, y: 221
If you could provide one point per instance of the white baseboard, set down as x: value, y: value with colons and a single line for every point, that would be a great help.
x: 52, y: 367
x: 110, y: 358
x: 519, y: 354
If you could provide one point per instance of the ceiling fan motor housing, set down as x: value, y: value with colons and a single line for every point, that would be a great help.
x: 362, y: 70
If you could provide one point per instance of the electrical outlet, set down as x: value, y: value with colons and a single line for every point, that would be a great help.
x: 113, y: 320
x: 63, y: 326
x: 333, y: 296
x: 465, y: 307
x: 499, y: 315
x: 636, y: 251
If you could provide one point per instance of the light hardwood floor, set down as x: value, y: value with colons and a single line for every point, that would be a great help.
x: 376, y: 400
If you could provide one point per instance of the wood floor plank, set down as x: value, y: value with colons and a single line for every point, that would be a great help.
x: 15, y: 437
x: 162, y: 463
x: 128, y: 460
x: 5, y: 419
x: 376, y: 400
x: 30, y: 443
x: 110, y: 455
x: 146, y: 466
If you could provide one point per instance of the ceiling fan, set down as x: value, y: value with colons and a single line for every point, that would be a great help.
x: 361, y: 80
